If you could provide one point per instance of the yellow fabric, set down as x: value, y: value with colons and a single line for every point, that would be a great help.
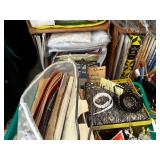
x: 123, y: 125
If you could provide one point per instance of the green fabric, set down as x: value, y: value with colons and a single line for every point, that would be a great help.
x: 12, y: 128
x: 139, y: 86
x: 153, y: 135
x: 144, y: 97
x: 74, y: 22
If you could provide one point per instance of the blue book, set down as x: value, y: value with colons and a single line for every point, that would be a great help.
x: 152, y: 64
x: 151, y: 60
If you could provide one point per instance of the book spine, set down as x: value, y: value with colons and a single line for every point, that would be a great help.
x: 150, y: 45
x: 136, y: 41
x: 153, y: 46
x: 153, y: 63
x: 151, y: 60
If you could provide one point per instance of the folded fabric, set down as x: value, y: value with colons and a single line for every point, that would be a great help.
x: 79, y: 42
x: 35, y: 23
x: 51, y: 87
x: 47, y: 113
x: 75, y: 37
x: 43, y: 84
x: 76, y: 22
x: 83, y: 128
x: 70, y: 131
x: 63, y: 110
x: 55, y: 112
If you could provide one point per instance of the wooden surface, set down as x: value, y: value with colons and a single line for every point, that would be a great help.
x: 104, y: 26
x: 112, y: 52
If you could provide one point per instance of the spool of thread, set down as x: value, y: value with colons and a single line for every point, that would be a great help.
x: 137, y: 73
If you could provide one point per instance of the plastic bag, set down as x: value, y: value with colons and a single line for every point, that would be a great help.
x: 98, y: 40
x: 27, y: 128
x: 148, y: 26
